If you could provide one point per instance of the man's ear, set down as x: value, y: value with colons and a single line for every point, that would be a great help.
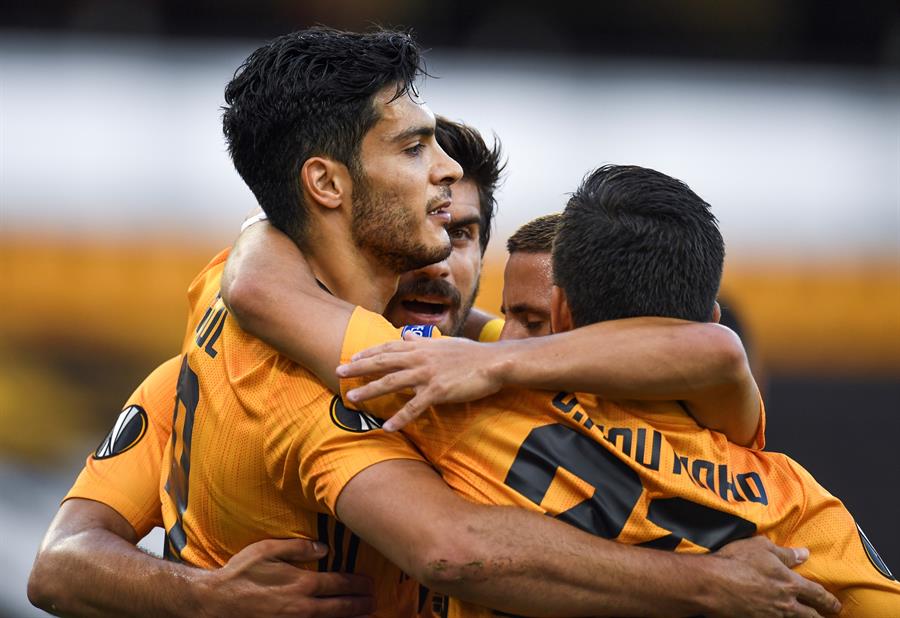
x: 560, y: 314
x: 717, y: 313
x: 325, y: 181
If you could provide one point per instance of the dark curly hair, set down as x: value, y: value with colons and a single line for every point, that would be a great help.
x: 481, y: 164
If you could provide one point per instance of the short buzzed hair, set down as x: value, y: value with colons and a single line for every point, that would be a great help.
x: 536, y: 236
x: 634, y: 242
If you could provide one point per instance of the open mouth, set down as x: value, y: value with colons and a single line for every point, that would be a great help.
x: 424, y: 307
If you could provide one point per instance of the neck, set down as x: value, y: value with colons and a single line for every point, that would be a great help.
x: 349, y: 273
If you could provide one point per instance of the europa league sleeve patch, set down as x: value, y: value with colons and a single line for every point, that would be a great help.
x: 873, y: 555
x: 352, y: 420
x: 130, y: 427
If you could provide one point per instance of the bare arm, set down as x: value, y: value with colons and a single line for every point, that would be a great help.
x: 702, y: 364
x: 523, y: 562
x: 469, y: 550
x: 270, y: 290
x: 88, y: 565
x: 272, y: 293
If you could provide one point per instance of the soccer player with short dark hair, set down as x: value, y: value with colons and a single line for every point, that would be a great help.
x: 115, y: 500
x: 631, y: 242
x: 526, y: 305
x: 650, y: 244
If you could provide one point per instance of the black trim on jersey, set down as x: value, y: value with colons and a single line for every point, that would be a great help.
x: 351, y: 553
x: 187, y: 394
x: 338, y: 546
x: 322, y: 533
x: 335, y: 543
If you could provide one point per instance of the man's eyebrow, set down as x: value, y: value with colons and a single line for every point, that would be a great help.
x: 456, y: 224
x: 521, y: 308
x: 420, y: 131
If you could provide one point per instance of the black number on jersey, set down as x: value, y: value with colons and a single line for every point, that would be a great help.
x: 187, y: 397
x: 210, y: 327
x: 343, y: 553
x: 617, y: 489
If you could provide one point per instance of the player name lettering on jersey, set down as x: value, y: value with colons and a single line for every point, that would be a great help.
x: 646, y: 446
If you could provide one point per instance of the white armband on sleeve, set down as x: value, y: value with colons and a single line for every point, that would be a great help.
x: 254, y: 219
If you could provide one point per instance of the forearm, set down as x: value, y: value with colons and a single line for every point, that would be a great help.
x: 271, y: 292
x: 702, y: 364
x: 530, y: 564
x: 640, y: 358
x: 512, y: 559
x: 97, y: 573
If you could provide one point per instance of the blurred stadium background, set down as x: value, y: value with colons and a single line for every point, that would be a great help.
x: 784, y: 114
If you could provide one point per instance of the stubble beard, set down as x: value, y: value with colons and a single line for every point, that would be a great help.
x: 382, y: 227
x: 456, y: 328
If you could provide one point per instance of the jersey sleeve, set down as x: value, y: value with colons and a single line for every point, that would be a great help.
x: 124, y: 471
x: 367, y: 329
x: 316, y: 442
x: 490, y: 332
x: 841, y: 556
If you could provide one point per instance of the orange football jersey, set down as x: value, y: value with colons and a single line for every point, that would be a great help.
x: 123, y: 473
x: 636, y: 472
x: 261, y: 449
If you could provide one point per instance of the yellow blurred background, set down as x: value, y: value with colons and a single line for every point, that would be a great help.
x: 86, y: 318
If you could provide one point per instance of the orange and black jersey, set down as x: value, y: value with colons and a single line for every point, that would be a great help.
x: 637, y: 472
x: 261, y: 449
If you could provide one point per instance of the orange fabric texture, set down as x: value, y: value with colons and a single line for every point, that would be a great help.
x: 129, y: 481
x: 261, y: 449
x: 636, y: 472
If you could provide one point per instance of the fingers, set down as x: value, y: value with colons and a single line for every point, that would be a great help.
x: 412, y: 410
x: 288, y: 550
x: 815, y: 596
x: 342, y: 607
x: 339, y: 584
x: 391, y: 346
x: 377, y: 364
x: 802, y: 611
x: 390, y: 383
x: 790, y: 556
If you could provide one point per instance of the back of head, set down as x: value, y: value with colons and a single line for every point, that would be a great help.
x: 480, y: 164
x: 635, y: 242
x: 304, y: 94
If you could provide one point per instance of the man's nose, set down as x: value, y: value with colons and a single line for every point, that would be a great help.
x: 437, y: 270
x: 447, y: 171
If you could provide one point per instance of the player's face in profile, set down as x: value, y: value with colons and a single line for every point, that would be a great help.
x: 527, y: 285
x: 400, y: 202
x: 442, y: 293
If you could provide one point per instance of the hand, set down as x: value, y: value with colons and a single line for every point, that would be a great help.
x: 759, y: 583
x: 265, y: 579
x: 448, y: 370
